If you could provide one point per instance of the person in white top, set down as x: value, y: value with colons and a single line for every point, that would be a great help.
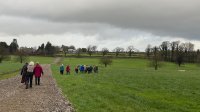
x: 29, y: 76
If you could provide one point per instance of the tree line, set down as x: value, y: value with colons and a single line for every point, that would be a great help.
x: 175, y: 51
x: 49, y: 49
x: 167, y: 51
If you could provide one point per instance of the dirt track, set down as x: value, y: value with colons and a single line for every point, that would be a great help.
x: 46, y: 97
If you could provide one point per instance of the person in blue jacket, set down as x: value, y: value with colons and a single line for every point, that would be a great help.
x: 61, y: 69
x: 82, y: 68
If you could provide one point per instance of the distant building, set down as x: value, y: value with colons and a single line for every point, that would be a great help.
x: 71, y: 51
x: 28, y: 50
x: 61, y: 50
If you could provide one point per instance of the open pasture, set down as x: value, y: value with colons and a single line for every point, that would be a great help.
x: 131, y: 85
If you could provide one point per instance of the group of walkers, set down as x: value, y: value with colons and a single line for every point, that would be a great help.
x: 79, y: 68
x: 62, y: 69
x: 27, y: 72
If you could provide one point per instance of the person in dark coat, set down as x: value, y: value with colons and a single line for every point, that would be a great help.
x: 95, y: 69
x: 76, y: 69
x: 24, y: 72
x: 90, y: 68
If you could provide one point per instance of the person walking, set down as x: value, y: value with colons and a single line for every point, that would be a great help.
x: 86, y: 68
x: 37, y: 72
x: 61, y: 69
x: 24, y: 72
x: 68, y: 70
x: 76, y: 69
x: 29, y: 75
x: 82, y: 68
x: 95, y: 69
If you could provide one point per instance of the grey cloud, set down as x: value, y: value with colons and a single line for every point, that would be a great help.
x: 21, y: 26
x: 177, y: 18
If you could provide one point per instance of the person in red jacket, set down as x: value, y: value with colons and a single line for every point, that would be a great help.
x: 68, y: 69
x: 37, y: 72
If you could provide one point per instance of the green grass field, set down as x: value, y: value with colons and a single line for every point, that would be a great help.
x: 9, y: 75
x: 12, y: 68
x: 7, y: 66
x: 41, y: 60
x: 9, y: 69
x: 129, y: 85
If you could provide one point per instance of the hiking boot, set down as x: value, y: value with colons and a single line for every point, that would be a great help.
x: 26, y: 86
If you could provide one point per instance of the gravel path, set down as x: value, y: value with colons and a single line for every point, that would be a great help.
x: 46, y: 97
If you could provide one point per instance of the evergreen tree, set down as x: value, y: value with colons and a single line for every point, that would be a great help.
x: 14, y: 46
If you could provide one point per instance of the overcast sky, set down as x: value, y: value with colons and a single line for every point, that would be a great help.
x: 105, y: 23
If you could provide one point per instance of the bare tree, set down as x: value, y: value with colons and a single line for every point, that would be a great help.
x: 198, y: 57
x: 94, y: 48
x: 164, y: 47
x: 180, y: 54
x: 91, y: 49
x: 21, y: 56
x: 189, y: 47
x: 106, y: 61
x: 78, y: 51
x: 148, y: 51
x: 65, y: 49
x: 104, y: 51
x: 174, y: 46
x: 130, y: 50
x: 117, y: 50
x: 156, y: 57
x: 189, y: 52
